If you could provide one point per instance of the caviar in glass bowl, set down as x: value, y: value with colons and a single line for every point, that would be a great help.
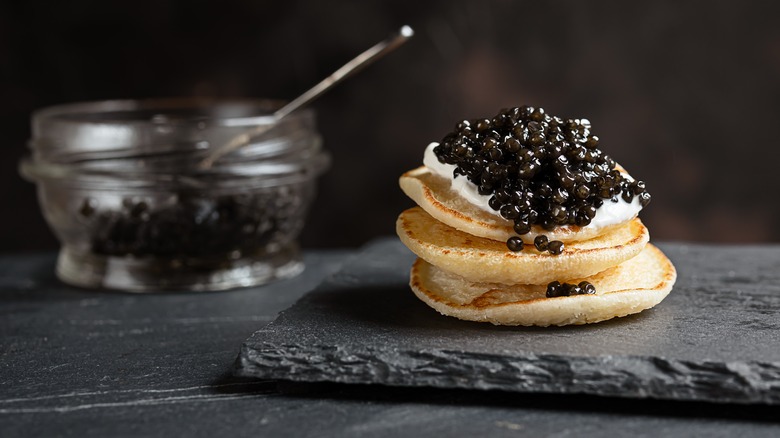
x: 119, y: 183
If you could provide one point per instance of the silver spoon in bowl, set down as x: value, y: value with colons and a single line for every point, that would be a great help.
x: 356, y: 64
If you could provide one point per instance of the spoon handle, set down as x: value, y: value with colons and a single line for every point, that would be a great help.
x: 356, y: 64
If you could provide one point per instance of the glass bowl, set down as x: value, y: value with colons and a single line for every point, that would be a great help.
x: 120, y: 185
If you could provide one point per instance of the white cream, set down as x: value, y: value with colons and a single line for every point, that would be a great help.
x: 609, y: 213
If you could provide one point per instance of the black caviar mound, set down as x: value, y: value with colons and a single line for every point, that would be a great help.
x: 539, y: 169
x: 194, y: 225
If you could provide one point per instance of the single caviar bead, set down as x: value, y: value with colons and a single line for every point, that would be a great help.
x: 494, y: 203
x: 515, y: 244
x: 592, y: 142
x: 540, y: 242
x: 639, y: 187
x: 644, y: 199
x: 509, y: 211
x: 483, y: 125
x: 512, y: 145
x: 522, y: 228
x: 582, y: 191
x: 554, y: 289
x: 555, y: 247
x: 587, y: 288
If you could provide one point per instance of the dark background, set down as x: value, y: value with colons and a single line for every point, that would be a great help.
x: 686, y: 95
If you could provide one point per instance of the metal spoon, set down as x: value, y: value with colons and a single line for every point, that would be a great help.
x: 353, y: 66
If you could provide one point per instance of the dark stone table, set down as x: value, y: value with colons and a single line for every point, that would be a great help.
x: 716, y: 338
x: 83, y: 363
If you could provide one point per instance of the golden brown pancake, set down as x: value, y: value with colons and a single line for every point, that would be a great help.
x: 635, y: 285
x: 483, y: 260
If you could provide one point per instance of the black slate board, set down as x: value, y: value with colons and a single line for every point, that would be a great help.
x: 715, y: 338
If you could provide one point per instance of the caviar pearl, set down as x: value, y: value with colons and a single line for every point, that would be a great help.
x: 515, y: 244
x: 554, y: 289
x: 555, y: 247
x: 540, y: 242
x: 509, y: 211
x: 644, y: 199
x: 522, y: 228
x: 587, y: 288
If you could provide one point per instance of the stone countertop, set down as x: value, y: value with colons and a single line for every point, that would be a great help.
x: 85, y: 363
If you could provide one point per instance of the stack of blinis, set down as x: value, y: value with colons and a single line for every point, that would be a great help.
x: 465, y: 269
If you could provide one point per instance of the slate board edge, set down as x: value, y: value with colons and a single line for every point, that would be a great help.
x: 612, y: 376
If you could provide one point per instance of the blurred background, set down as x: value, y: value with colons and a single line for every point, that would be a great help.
x: 686, y: 95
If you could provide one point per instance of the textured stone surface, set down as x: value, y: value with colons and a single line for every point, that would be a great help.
x: 715, y: 338
x: 79, y: 363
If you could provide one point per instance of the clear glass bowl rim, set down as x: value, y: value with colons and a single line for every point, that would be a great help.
x: 69, y: 112
x: 307, y: 163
